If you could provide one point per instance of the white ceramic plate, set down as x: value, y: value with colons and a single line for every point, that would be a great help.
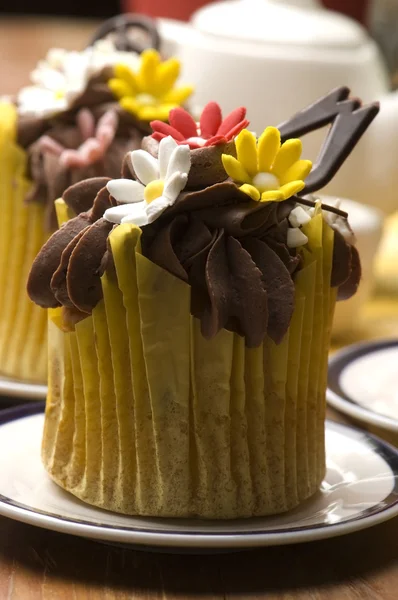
x: 16, y: 388
x: 363, y: 383
x: 360, y: 490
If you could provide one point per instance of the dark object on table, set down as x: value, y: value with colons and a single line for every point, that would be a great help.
x: 73, y: 8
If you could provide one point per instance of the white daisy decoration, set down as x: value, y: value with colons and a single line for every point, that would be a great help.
x: 160, y: 182
x: 62, y: 76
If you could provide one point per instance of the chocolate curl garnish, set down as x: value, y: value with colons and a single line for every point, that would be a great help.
x: 148, y: 35
x: 316, y: 115
x: 312, y: 203
x: 349, y: 121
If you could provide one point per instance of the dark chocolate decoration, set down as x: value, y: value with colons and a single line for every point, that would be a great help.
x: 350, y: 286
x: 341, y: 265
x: 316, y: 115
x: 144, y: 33
x: 349, y: 121
x: 206, y: 164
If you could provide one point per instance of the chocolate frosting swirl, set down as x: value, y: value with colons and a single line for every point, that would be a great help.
x: 231, y: 251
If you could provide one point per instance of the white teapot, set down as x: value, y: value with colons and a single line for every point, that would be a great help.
x: 277, y: 56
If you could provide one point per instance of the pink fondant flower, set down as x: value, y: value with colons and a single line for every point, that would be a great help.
x: 210, y: 131
x: 96, y: 140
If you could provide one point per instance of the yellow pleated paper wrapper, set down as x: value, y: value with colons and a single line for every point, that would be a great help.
x: 23, y: 325
x: 144, y: 416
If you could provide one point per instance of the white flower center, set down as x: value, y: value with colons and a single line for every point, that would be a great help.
x: 146, y: 99
x: 265, y: 182
x: 197, y: 140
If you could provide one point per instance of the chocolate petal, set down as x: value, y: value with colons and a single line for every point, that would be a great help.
x: 162, y: 251
x: 220, y: 194
x: 101, y: 203
x: 290, y: 261
x: 83, y: 279
x: 237, y: 297
x: 215, y: 315
x: 58, y: 281
x: 278, y: 284
x: 249, y: 300
x: 127, y: 168
x: 196, y: 237
x: 48, y: 260
x: 341, y: 265
x: 238, y: 220
x: 80, y: 196
x: 350, y: 286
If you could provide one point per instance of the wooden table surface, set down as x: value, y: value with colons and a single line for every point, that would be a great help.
x: 37, y: 564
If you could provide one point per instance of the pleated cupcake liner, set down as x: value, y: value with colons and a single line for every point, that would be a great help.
x: 23, y: 325
x: 145, y: 416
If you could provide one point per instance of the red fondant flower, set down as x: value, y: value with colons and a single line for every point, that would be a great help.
x: 210, y: 131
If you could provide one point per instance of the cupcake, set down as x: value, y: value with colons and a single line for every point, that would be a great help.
x: 82, y: 113
x: 190, y: 317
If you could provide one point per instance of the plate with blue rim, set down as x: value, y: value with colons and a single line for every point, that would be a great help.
x: 15, y: 391
x: 354, y: 495
x: 363, y: 384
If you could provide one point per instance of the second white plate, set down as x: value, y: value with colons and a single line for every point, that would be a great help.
x: 25, y: 390
x: 363, y: 383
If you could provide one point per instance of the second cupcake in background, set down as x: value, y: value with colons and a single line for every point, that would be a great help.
x: 190, y: 318
x: 69, y: 125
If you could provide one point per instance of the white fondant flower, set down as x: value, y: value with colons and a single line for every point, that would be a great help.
x: 339, y: 223
x: 160, y: 182
x: 62, y: 76
x: 299, y: 216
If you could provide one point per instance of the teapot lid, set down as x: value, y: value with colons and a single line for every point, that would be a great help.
x: 276, y: 22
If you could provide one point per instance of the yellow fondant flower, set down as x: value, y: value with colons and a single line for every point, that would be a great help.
x: 269, y: 171
x: 150, y: 92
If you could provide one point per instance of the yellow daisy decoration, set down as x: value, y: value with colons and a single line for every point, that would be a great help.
x: 269, y: 171
x: 149, y: 93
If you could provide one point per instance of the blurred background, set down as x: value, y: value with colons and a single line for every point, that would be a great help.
x: 380, y: 17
